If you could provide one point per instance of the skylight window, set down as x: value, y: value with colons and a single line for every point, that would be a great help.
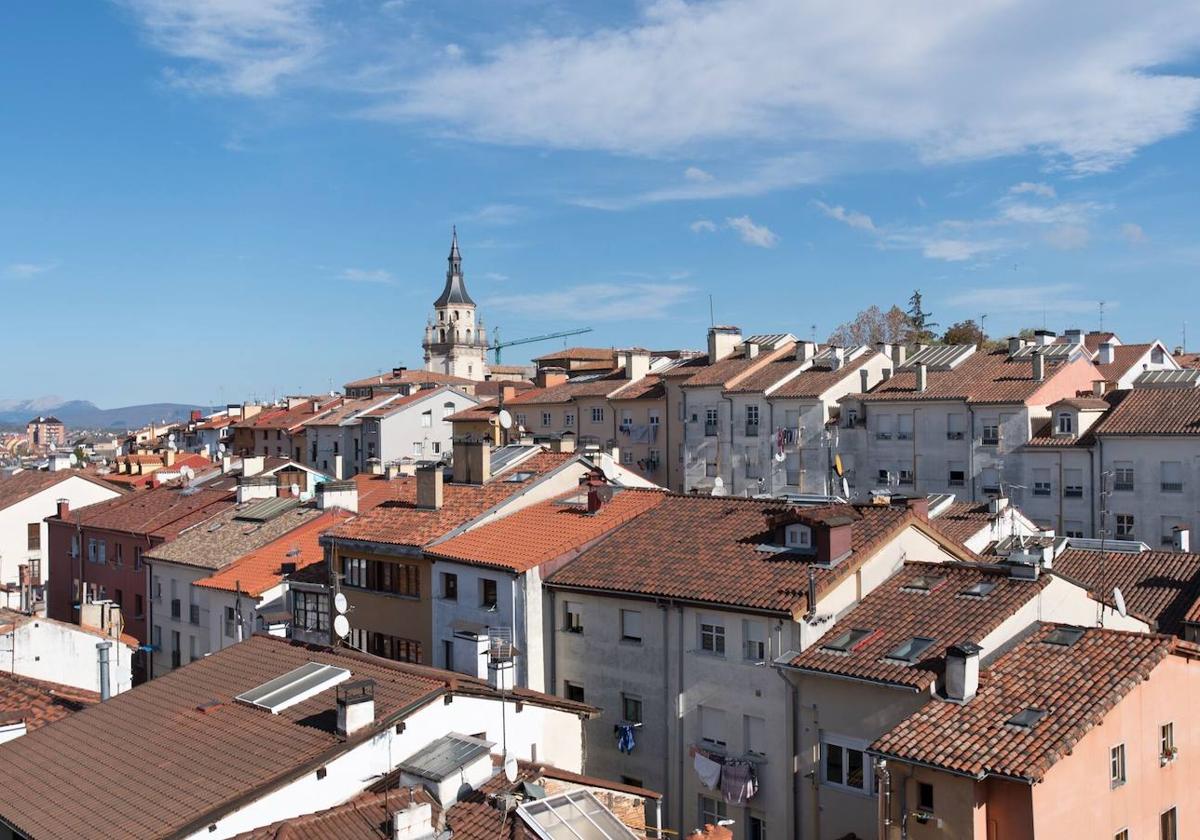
x: 1063, y: 636
x: 910, y: 650
x: 924, y: 583
x: 1027, y: 718
x: 848, y: 641
x: 518, y: 477
x: 979, y: 589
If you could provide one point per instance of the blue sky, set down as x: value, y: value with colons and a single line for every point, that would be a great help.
x: 205, y: 200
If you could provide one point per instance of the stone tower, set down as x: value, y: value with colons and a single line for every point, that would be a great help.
x: 455, y: 339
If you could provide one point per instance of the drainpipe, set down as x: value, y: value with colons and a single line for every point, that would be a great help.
x: 1060, y: 492
x: 730, y: 485
x: 553, y: 687
x: 792, y: 735
x: 971, y: 448
x: 679, y: 740
x: 102, y: 653
x: 666, y: 630
x: 885, y: 799
x: 1096, y: 500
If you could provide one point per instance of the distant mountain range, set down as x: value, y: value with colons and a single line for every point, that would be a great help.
x: 81, y: 414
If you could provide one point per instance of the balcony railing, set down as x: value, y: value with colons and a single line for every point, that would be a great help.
x: 1073, y: 493
x: 751, y: 429
x: 955, y: 435
x: 710, y: 429
x: 1172, y: 486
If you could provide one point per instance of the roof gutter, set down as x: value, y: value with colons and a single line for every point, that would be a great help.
x: 833, y: 676
x: 975, y: 776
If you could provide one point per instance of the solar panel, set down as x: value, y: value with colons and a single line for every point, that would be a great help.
x: 769, y: 341
x: 940, y: 357
x: 1186, y: 378
x: 444, y: 757
x: 506, y: 455
x: 577, y: 814
x: 294, y: 687
x: 1057, y: 352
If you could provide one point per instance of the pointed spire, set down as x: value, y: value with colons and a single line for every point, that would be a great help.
x: 456, y: 289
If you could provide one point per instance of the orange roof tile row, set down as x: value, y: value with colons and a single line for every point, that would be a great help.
x: 983, y: 377
x: 1158, y: 586
x: 22, y: 485
x: 1154, y: 411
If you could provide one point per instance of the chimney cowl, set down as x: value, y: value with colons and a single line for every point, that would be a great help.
x: 922, y: 377
x: 355, y: 706
x: 962, y: 672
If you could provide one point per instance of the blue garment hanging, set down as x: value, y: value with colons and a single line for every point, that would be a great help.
x: 625, y: 739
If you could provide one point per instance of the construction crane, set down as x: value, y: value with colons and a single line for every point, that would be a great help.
x: 496, y: 346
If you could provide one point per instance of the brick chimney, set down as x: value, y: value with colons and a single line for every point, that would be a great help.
x: 549, y: 377
x: 919, y: 505
x: 64, y: 510
x: 722, y: 341
x: 429, y: 487
x: 594, y: 482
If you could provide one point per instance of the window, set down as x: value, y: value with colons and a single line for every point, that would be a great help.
x: 957, y: 474
x: 1073, y: 483
x: 1168, y: 825
x: 33, y: 537
x: 989, y: 480
x: 156, y: 637
x: 631, y: 708
x: 176, y: 608
x: 910, y: 650
x: 712, y: 726
x: 851, y: 418
x: 845, y: 765
x: 573, y: 691
x: 712, y: 810
x: 1123, y: 834
x: 848, y: 641
x: 597, y: 414
x: 1073, y: 528
x: 156, y: 588
x: 1172, y: 477
x: 884, y: 477
x: 1166, y: 743
x: 545, y: 418
x: 1116, y: 765
x: 447, y: 409
x: 192, y: 657
x: 755, y: 734
x: 382, y: 576
x: 798, y: 536
x: 1064, y: 636
x: 1123, y: 476
x: 631, y: 626
x: 925, y: 797
x: 979, y: 589
x: 310, y: 611
x: 626, y: 418
x: 751, y: 420
x: 904, y: 427
x: 572, y: 617
x: 231, y: 620
x: 1125, y: 526
x: 712, y: 638
x: 569, y: 419
x: 956, y: 427
x: 1156, y: 356
x: 757, y: 829
x: 487, y: 593
x: 754, y: 636
x: 883, y: 427
x: 138, y: 562
x: 1027, y: 718
x: 139, y: 606
x: 710, y: 422
x: 175, y: 662
x: 522, y: 419
x: 393, y: 647
x: 449, y: 586
x: 906, y: 476
x: 653, y: 416
x: 1041, y: 481
x: 1066, y: 423
x: 991, y: 433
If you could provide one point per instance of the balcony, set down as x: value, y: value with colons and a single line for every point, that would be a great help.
x: 710, y: 429
x: 883, y: 436
x: 1040, y: 489
x: 1123, y: 486
x: 1172, y: 486
x: 751, y: 430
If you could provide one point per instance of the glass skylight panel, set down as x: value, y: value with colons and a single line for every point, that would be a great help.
x: 577, y: 815
x: 1027, y: 718
x: 847, y: 641
x: 294, y: 687
x: 924, y: 583
x: 1063, y: 636
x: 910, y: 650
x: 980, y: 589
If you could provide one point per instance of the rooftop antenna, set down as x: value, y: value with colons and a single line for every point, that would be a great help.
x: 813, y: 331
x: 712, y: 318
x: 1101, y: 316
x: 1183, y: 338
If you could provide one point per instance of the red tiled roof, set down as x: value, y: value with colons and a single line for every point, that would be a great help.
x: 1075, y: 685
x: 731, y: 370
x: 1125, y: 356
x: 896, y: 612
x: 22, y: 485
x: 579, y: 354
x: 38, y: 702
x: 262, y: 569
x: 186, y: 762
x: 545, y: 531
x: 389, y: 408
x: 400, y: 522
x: 1093, y: 340
x: 482, y: 412
x: 408, y: 377
x: 1188, y: 360
x: 493, y: 387
x: 649, y: 387
x: 963, y: 520
x: 287, y: 419
x: 707, y: 549
x: 983, y: 377
x: 1158, y: 586
x: 570, y: 390
x: 1154, y: 411
x: 813, y: 382
x: 160, y: 512
x: 346, y: 411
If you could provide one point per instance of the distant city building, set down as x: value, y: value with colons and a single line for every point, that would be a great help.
x: 455, y: 339
x: 44, y: 432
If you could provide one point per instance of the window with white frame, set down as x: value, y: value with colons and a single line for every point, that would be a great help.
x: 1172, y: 477
x: 631, y: 708
x: 1125, y: 526
x: 1166, y: 743
x: 751, y: 418
x: 712, y: 637
x: 884, y: 426
x: 1066, y: 423
x: 798, y: 536
x: 904, y: 427
x: 905, y: 475
x: 545, y: 418
x: 653, y: 417
x: 597, y: 414
x: 631, y: 626
x: 626, y: 418
x: 989, y: 480
x: 1123, y: 476
x: 569, y: 419
x: 754, y: 639
x: 1073, y: 528
x: 1041, y: 481
x: 755, y: 734
x: 522, y: 419
x: 573, y: 616
x: 991, y: 433
x: 1073, y: 483
x: 1116, y: 765
x: 956, y: 426
x: 427, y: 419
x: 845, y: 764
x: 712, y: 726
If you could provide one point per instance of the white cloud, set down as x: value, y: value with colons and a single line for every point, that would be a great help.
x: 703, y: 226
x: 367, y: 275
x: 695, y: 173
x: 957, y: 250
x: 1068, y: 237
x: 453, y: 52
x: 598, y: 302
x: 760, y: 236
x: 1051, y: 298
x: 848, y: 217
x: 25, y: 270
x: 246, y: 47
x: 1133, y: 233
x: 1044, y: 190
x: 497, y: 214
x: 1063, y: 213
x: 495, y: 276
x: 1020, y: 76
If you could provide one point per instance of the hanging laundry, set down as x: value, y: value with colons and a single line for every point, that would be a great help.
x: 739, y: 782
x: 708, y: 770
x: 625, y: 738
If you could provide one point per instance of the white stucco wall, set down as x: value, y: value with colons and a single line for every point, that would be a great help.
x: 55, y: 651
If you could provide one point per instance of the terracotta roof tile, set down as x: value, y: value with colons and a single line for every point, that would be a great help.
x: 287, y: 419
x: 580, y: 354
x: 708, y: 549
x: 22, y: 485
x: 1188, y: 360
x: 963, y: 520
x: 161, y: 512
x: 728, y: 372
x: 647, y: 388
x: 983, y: 377
x: 408, y: 377
x: 924, y: 600
x: 573, y: 389
x: 1154, y: 411
x: 813, y: 382
x: 1075, y: 685
x: 545, y: 531
x: 38, y: 702
x: 1125, y: 356
x: 1159, y: 586
x: 1093, y: 340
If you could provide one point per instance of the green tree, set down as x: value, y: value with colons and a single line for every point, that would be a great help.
x: 965, y: 332
x: 919, y: 320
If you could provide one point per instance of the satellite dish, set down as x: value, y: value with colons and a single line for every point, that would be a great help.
x: 510, y: 767
x: 505, y: 419
x: 339, y: 603
x: 53, y: 448
x: 845, y: 488
x: 718, y: 487
x: 341, y: 626
x: 295, y: 489
x: 781, y: 457
x: 188, y: 473
x: 221, y: 448
x: 1120, y: 602
x: 74, y: 459
x: 171, y: 438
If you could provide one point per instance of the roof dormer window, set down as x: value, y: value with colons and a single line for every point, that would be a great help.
x: 798, y: 536
x: 1066, y: 423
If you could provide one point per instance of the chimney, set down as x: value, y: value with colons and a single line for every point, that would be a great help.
x: 413, y: 823
x: 507, y: 392
x: 962, y: 671
x: 1105, y: 355
x: 1074, y: 336
x: 338, y: 494
x: 637, y: 364
x: 195, y: 415
x: 1044, y: 337
x: 339, y: 466
x: 102, y: 649
x: 429, y: 487
x: 399, y: 370
x: 1181, y: 538
x: 922, y: 377
x: 722, y: 341
x: 226, y: 463
x: 898, y: 355
x: 472, y: 461
x: 883, y: 348
x: 751, y: 350
x: 838, y: 357
x: 1099, y: 387
x: 885, y: 374
x: 805, y: 350
x: 563, y: 443
x: 919, y: 505
x: 256, y: 487
x: 594, y: 481
x: 548, y: 377
x: 864, y: 379
x: 252, y: 465
x: 1015, y: 343
x: 64, y: 509
x: 169, y: 458
x: 392, y: 472
x: 833, y: 540
x: 355, y: 706
x: 1039, y: 366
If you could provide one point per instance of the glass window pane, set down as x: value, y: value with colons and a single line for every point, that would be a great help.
x: 854, y: 768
